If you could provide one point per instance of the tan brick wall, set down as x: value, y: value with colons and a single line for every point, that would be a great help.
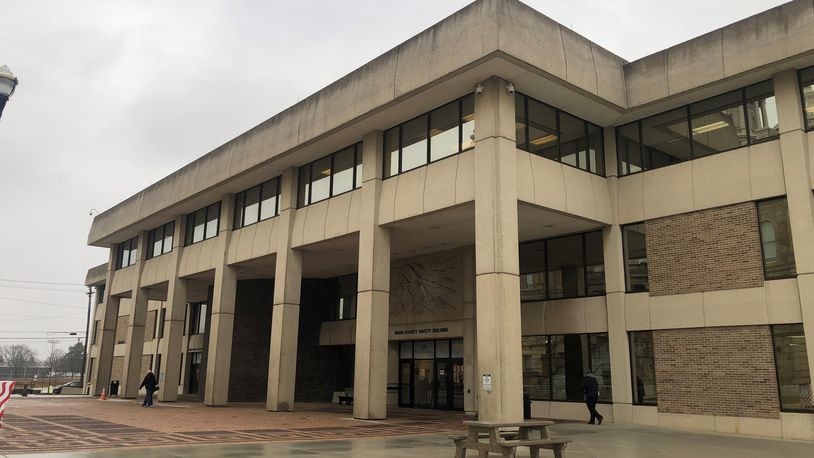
x: 121, y: 329
x: 117, y: 370
x: 726, y: 371
x: 149, y: 325
x: 146, y: 365
x: 707, y: 250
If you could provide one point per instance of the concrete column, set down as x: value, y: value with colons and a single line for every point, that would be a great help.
x: 496, y: 256
x: 798, y: 180
x: 134, y: 345
x: 169, y: 347
x: 222, y: 320
x: 106, y: 334
x: 285, y: 315
x: 470, y: 334
x: 615, y: 295
x: 373, y: 292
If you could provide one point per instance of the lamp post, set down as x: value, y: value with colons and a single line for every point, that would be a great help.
x: 8, y: 82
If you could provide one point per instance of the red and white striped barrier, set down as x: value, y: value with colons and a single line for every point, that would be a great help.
x: 5, y: 394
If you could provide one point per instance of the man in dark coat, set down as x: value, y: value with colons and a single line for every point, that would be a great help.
x: 150, y: 384
x: 590, y: 386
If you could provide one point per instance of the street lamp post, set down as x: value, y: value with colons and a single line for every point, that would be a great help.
x: 85, y: 348
x: 8, y: 82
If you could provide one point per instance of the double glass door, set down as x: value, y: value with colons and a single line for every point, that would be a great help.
x: 429, y: 380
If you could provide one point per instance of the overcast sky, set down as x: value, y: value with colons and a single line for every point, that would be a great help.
x: 115, y: 95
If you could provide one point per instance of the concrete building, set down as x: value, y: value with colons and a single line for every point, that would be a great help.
x: 494, y: 207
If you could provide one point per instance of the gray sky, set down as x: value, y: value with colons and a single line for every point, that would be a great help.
x: 115, y: 95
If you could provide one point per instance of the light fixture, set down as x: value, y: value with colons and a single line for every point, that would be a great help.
x: 543, y: 140
x: 510, y: 87
x: 8, y: 82
x: 479, y: 89
x: 710, y: 127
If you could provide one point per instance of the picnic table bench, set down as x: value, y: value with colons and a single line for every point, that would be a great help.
x: 486, y: 437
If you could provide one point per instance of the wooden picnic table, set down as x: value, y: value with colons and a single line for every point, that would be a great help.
x: 504, y: 437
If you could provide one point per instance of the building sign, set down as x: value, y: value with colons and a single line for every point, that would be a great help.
x: 487, y: 383
x: 420, y: 331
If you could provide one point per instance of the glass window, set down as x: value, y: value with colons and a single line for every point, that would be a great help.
x: 169, y: 233
x: 346, y: 297
x: 458, y: 348
x: 127, y: 253
x: 270, y: 199
x: 596, y: 148
x: 566, y: 277
x: 467, y: 122
x: 159, y: 240
x: 406, y: 350
x: 594, y: 263
x: 212, y: 220
x: 321, y: 179
x: 358, y: 182
x: 807, y: 90
x: 532, y: 271
x: 667, y: 134
x: 391, y: 152
x: 573, y: 141
x: 251, y: 205
x: 599, y: 363
x: 197, y: 318
x: 643, y: 367
x: 629, y: 148
x: 256, y: 203
x: 198, y: 226
x: 424, y: 349
x: 542, y: 130
x: 442, y: 348
x: 635, y: 246
x: 791, y: 360
x: 304, y: 194
x: 414, y: 143
x: 343, y: 169
x: 761, y: 112
x: 569, y: 366
x: 203, y: 224
x: 521, y: 122
x: 444, y: 135
x: 775, y: 237
x: 536, y: 367
x: 718, y: 124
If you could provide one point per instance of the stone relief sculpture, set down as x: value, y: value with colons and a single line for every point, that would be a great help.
x: 424, y: 285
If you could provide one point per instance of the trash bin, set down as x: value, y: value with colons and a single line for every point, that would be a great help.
x: 114, y: 388
x: 526, y: 406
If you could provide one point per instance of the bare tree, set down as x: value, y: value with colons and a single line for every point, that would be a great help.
x: 55, y: 355
x: 18, y: 357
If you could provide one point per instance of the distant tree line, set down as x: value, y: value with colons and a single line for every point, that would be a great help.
x: 15, y: 358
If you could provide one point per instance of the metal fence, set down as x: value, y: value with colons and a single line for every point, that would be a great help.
x: 23, y: 372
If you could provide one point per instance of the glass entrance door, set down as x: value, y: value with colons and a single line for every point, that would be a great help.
x: 449, y: 386
x: 431, y: 375
x: 424, y: 383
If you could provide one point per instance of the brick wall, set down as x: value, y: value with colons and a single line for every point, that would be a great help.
x: 248, y: 373
x: 149, y: 325
x: 316, y: 365
x: 727, y: 371
x: 707, y: 250
x: 117, y: 369
x: 121, y: 329
x: 146, y: 365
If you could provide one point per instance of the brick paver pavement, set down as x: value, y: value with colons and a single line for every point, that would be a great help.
x: 54, y: 424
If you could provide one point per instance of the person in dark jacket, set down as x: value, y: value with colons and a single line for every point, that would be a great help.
x: 150, y: 384
x: 590, y: 386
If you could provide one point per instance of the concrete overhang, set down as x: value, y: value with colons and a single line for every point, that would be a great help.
x: 96, y: 276
x: 503, y: 38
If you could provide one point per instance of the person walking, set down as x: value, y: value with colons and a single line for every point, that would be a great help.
x: 590, y: 386
x: 150, y: 384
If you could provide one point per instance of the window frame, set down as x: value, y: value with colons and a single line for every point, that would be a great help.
x: 760, y: 239
x: 622, y: 227
x: 120, y: 249
x: 428, y: 138
x: 357, y: 155
x: 190, y: 220
x: 688, y: 114
x: 777, y: 372
x: 584, y: 267
x: 800, y: 84
x: 151, y: 240
x: 633, y: 374
x: 242, y: 211
x: 601, y: 171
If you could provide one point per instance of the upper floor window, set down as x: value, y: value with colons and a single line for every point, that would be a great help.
x: 203, y: 224
x: 562, y: 267
x: 775, y: 238
x: 128, y: 253
x: 807, y: 92
x: 634, y: 242
x: 330, y: 176
x: 257, y: 203
x: 346, y: 297
x: 159, y: 240
x: 441, y: 133
x: 548, y: 132
x: 196, y: 316
x: 739, y: 118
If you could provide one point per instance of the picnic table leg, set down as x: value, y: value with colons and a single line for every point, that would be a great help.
x: 508, y: 452
x: 534, y: 452
x: 460, y: 451
x: 559, y: 452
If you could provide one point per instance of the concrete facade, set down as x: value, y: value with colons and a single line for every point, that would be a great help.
x: 437, y: 251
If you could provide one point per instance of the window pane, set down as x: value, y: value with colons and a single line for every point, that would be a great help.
x: 199, y: 225
x: 321, y: 179
x: 595, y: 263
x: 601, y: 364
x: 536, y: 367
x: 358, y: 183
x: 761, y: 111
x: 424, y: 350
x: 346, y: 297
x: 269, y: 199
x: 791, y: 358
x: 391, y: 152
x: 542, y: 130
x: 124, y: 254
x: 807, y: 82
x: 343, y: 171
x: 667, y: 134
x: 442, y: 348
x: 414, y: 143
x: 169, y: 231
x: 304, y: 185
x: 213, y: 216
x: 635, y: 246
x: 238, y: 219
x: 406, y: 350
x: 573, y: 143
x: 157, y: 235
x: 775, y: 235
x: 468, y: 122
x: 643, y: 367
x: 444, y: 131
x: 251, y: 206
x: 520, y: 121
x: 569, y: 366
x: 718, y: 124
x: 458, y: 348
x: 629, y: 149
x: 532, y: 271
x: 565, y: 270
x: 596, y: 150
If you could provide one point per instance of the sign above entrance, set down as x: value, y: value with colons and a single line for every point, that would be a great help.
x: 420, y: 331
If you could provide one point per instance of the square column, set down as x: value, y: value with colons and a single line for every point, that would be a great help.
x: 285, y: 315
x: 170, y: 345
x: 107, y: 341
x: 497, y: 285
x: 373, y: 292
x: 134, y: 346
